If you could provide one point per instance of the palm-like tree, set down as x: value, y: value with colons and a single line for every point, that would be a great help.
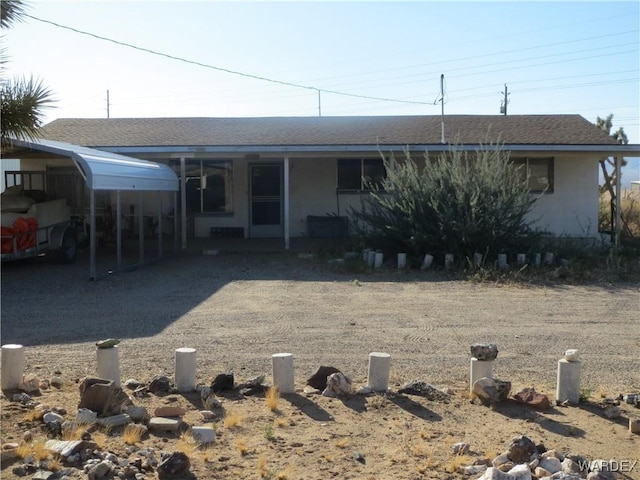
x: 22, y: 99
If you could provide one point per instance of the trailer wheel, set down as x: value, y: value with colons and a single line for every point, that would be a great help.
x: 68, y: 247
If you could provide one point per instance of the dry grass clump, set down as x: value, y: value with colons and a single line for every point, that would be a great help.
x: 233, y: 419
x: 23, y: 450
x: 456, y: 462
x: 272, y: 399
x: 34, y: 415
x: 242, y: 446
x: 187, y: 445
x: 132, y: 434
x: 39, y: 450
x: 73, y: 432
x: 262, y: 466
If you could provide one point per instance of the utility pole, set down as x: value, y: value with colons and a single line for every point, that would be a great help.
x: 442, y: 139
x: 505, y: 102
x: 319, y: 104
x: 108, y: 104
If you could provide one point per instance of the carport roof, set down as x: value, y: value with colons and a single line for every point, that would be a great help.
x: 109, y: 171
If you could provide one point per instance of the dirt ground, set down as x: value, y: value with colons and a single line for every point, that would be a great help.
x: 237, y: 309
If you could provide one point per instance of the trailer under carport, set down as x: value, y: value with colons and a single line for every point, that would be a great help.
x: 104, y: 171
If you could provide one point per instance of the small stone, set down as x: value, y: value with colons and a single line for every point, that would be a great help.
x: 460, y: 448
x: 42, y: 475
x: 474, y: 469
x: 115, y: 420
x: 542, y: 472
x: 611, y: 411
x: 100, y: 470
x: 169, y: 411
x: 570, y: 466
x: 27, y: 436
x: 208, y: 414
x: 520, y: 472
x: 318, y: 379
x: 19, y: 471
x: 56, y: 382
x: 137, y: 413
x: 66, y: 448
x: 358, y: 457
x: 52, y: 417
x: 108, y: 343
x: 550, y: 464
x: 484, y: 351
x: 30, y: 384
x: 9, y: 452
x: 84, y: 416
x: 203, y: 435
x: 571, y: 355
x: 500, y: 459
x: 165, y: 424
x: 159, y: 383
x: 309, y: 390
x: 132, y: 383
x: 493, y: 473
x: 634, y: 425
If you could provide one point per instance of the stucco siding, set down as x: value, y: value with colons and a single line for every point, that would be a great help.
x: 572, y: 208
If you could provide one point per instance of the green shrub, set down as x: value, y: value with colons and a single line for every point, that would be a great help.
x: 457, y: 203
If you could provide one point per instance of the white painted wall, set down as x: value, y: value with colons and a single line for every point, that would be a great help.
x: 572, y: 209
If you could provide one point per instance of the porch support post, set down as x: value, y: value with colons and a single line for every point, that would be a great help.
x: 618, y: 219
x: 92, y: 234
x: 141, y: 227
x: 118, y: 229
x: 159, y: 224
x: 286, y: 204
x: 183, y: 201
x: 175, y: 221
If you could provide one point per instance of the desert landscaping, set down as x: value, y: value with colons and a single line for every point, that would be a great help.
x: 238, y: 309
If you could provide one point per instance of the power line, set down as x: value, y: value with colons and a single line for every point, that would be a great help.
x: 221, y: 69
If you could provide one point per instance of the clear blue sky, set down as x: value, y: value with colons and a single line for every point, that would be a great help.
x: 555, y: 57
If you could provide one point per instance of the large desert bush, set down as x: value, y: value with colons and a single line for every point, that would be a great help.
x: 459, y: 202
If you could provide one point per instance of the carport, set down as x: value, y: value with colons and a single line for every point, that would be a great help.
x: 104, y: 171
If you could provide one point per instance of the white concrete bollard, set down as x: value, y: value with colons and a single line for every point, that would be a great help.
x: 371, y: 258
x: 537, y: 259
x: 379, y: 370
x: 448, y: 261
x: 426, y: 263
x: 480, y: 369
x: 12, y: 366
x: 185, y: 373
x: 402, y: 260
x: 365, y: 254
x: 109, y: 364
x: 521, y: 259
x: 477, y: 259
x: 378, y: 260
x: 502, y: 261
x: 568, y: 386
x: 283, y: 376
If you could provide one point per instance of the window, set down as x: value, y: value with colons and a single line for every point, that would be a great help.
x: 208, y: 185
x: 538, y: 172
x: 356, y: 173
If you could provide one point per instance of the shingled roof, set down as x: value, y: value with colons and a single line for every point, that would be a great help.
x: 327, y: 131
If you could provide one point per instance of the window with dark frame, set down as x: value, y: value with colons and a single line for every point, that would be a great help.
x: 208, y: 185
x: 357, y: 174
x: 538, y: 172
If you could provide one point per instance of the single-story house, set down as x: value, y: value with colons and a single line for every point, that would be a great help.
x: 272, y: 177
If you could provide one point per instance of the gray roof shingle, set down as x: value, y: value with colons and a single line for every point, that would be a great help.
x: 327, y: 131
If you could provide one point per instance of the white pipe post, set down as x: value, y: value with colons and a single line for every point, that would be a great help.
x: 287, y: 240
x: 477, y: 259
x: 426, y: 263
x: 185, y: 373
x: 521, y: 258
x: 371, y: 259
x: 378, y: 260
x: 109, y: 364
x: 12, y: 366
x: 480, y: 369
x: 283, y: 374
x: 502, y: 261
x: 402, y: 260
x: 568, y: 386
x: 379, y: 370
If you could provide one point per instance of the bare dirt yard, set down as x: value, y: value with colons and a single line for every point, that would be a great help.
x: 238, y: 309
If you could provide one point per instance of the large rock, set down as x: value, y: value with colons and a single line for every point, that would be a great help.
x: 318, y: 379
x: 223, y: 381
x: 66, y: 448
x: 484, y: 351
x: 337, y: 384
x: 522, y: 450
x: 175, y: 463
x: 493, y: 473
x: 491, y: 390
x: 102, y: 396
x: 169, y: 411
x: 165, y: 424
x: 423, y: 389
x: 529, y: 396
